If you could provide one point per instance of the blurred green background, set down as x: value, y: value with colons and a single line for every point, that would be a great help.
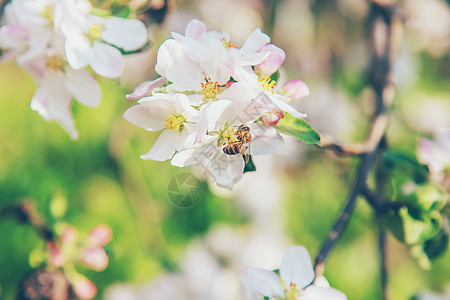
x: 101, y: 178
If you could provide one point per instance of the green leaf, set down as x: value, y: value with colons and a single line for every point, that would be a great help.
x: 437, y: 245
x: 399, y: 161
x: 249, y: 166
x: 275, y: 76
x: 119, y: 10
x: 145, y: 47
x: 299, y: 129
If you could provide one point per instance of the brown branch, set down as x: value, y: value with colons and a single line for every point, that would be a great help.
x: 381, y: 34
x: 26, y: 213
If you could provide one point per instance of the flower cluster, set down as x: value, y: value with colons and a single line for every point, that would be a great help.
x: 89, y: 252
x: 216, y: 103
x: 55, y: 41
x: 295, y: 280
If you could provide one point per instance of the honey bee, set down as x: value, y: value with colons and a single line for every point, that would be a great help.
x: 242, y: 145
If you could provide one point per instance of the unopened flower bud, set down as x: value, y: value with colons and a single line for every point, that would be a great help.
x: 146, y: 88
x: 69, y: 235
x: 294, y: 89
x: 100, y: 235
x: 272, y: 62
x: 84, y: 288
x: 271, y: 118
x: 57, y: 257
x: 95, y: 258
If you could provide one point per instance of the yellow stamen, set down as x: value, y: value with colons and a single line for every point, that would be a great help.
x: 292, y: 293
x: 174, y: 122
x: 95, y: 31
x: 266, y: 84
x: 48, y: 13
x: 227, y: 44
x: 54, y: 63
x: 210, y: 88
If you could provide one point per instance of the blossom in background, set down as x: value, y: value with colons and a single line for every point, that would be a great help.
x: 55, y: 41
x: 89, y: 252
x: 436, y: 155
x: 234, y: 102
x: 295, y: 280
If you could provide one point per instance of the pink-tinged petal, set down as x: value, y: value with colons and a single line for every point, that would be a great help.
x: 128, y: 34
x: 266, y: 140
x: 106, y: 60
x: 272, y: 62
x: 264, y: 282
x: 287, y: 108
x: 255, y: 41
x: 320, y: 293
x: 100, y: 235
x: 52, y: 101
x: 69, y: 235
x: 56, y: 257
x: 172, y: 63
x: 294, y: 89
x: 296, y: 267
x: 84, y: 88
x: 272, y: 117
x: 83, y: 287
x: 95, y: 258
x: 227, y: 170
x: 145, y: 90
x: 77, y: 52
x: 195, y: 29
x: 164, y: 147
x: 13, y: 36
x: 140, y: 115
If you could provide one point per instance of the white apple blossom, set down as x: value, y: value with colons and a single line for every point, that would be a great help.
x: 171, y: 113
x: 42, y: 34
x: 235, y: 107
x: 294, y: 282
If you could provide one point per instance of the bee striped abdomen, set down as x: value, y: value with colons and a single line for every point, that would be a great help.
x: 233, y: 148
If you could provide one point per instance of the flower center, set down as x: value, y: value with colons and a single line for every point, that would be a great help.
x: 54, y: 63
x: 210, y: 88
x: 227, y: 44
x: 292, y: 293
x: 48, y: 13
x: 174, y: 122
x: 266, y: 84
x: 95, y: 31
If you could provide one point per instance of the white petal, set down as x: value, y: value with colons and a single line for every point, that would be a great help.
x: 184, y: 158
x: 296, y: 267
x: 77, y: 53
x: 106, y: 60
x: 146, y: 88
x: 255, y: 41
x: 287, y: 108
x: 321, y: 293
x: 227, y: 170
x: 84, y: 88
x: 128, y: 34
x: 266, y: 140
x: 242, y: 112
x: 140, y: 116
x: 52, y: 101
x: 164, y: 147
x: 195, y: 29
x: 264, y: 282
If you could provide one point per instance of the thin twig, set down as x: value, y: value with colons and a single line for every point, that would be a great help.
x: 382, y: 246
x: 26, y: 213
x: 380, y: 24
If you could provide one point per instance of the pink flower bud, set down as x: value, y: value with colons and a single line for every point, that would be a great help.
x: 95, y: 258
x: 271, y: 118
x: 145, y: 89
x: 100, y: 235
x: 294, y: 89
x: 84, y: 288
x: 69, y: 235
x: 272, y: 62
x: 57, y: 257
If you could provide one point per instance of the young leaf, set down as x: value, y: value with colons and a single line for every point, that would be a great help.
x: 275, y: 76
x: 249, y: 166
x: 299, y: 129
